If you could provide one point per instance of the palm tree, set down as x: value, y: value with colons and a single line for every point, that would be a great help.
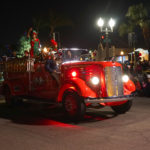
x: 38, y: 23
x: 52, y: 21
x: 137, y: 16
x: 56, y: 20
x: 125, y: 28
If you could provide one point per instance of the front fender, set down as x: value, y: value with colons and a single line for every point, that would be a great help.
x: 79, y: 86
x: 129, y: 87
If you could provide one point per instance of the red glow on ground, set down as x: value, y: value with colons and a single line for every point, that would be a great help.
x: 58, y: 124
x: 94, y: 118
x: 99, y: 118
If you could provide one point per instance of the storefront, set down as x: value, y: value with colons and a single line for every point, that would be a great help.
x: 144, y: 54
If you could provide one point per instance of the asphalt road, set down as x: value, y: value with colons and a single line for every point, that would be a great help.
x: 36, y: 127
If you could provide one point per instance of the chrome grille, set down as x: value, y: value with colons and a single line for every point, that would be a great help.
x: 113, y: 80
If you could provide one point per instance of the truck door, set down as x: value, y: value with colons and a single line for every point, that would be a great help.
x: 42, y: 83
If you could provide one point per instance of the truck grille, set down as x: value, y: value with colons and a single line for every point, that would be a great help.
x: 113, y: 80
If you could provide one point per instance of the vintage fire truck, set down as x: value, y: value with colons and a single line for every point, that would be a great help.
x: 83, y: 83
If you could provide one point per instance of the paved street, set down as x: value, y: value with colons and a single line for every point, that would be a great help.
x: 35, y: 127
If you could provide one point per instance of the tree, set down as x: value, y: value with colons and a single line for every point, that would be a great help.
x: 124, y: 29
x: 52, y: 20
x: 55, y: 20
x: 24, y: 45
x: 38, y: 22
x: 137, y: 16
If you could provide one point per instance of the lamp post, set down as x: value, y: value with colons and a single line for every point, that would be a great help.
x: 122, y: 53
x: 107, y: 28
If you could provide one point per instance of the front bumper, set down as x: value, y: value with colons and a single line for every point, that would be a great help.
x: 109, y: 99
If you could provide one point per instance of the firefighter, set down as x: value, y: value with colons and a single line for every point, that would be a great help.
x: 35, y: 43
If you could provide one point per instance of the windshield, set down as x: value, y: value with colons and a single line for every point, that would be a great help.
x: 75, y: 55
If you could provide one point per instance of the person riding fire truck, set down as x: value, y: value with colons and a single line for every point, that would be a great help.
x: 52, y: 67
x: 82, y: 83
x: 34, y: 41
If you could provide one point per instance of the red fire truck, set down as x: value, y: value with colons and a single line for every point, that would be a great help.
x: 83, y: 83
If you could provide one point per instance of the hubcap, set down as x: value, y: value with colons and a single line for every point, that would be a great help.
x: 70, y: 104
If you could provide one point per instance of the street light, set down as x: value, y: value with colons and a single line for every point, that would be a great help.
x: 100, y: 22
x: 122, y: 53
x: 111, y: 24
x: 107, y: 28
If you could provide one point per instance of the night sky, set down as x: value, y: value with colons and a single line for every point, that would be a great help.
x: 16, y: 18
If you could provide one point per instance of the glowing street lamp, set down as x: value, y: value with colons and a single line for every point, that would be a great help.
x: 108, y: 28
x: 122, y: 53
x: 111, y: 23
x: 100, y: 22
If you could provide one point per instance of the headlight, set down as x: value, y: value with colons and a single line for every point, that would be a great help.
x: 95, y: 80
x: 125, y: 78
x: 74, y: 74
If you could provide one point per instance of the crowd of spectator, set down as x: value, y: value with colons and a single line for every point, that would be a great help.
x: 140, y: 74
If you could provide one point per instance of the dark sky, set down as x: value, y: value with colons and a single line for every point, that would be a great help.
x: 16, y: 18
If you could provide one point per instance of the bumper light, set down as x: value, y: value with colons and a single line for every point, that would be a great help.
x: 95, y: 80
x: 125, y: 78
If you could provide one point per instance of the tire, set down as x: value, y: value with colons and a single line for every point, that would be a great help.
x: 74, y: 106
x: 121, y: 109
x: 11, y: 100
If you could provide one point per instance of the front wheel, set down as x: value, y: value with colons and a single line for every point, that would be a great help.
x: 121, y: 109
x: 73, y: 105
